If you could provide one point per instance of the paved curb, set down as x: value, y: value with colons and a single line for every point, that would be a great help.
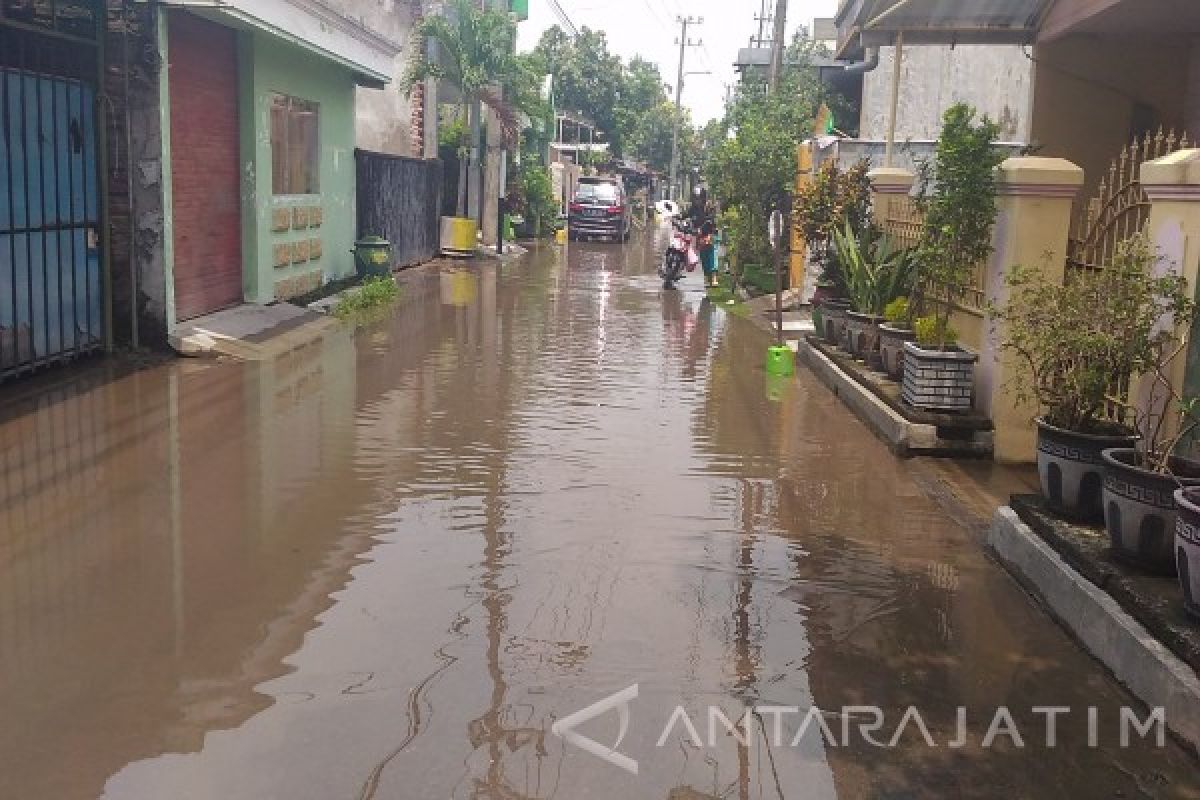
x: 901, y: 436
x: 1155, y: 675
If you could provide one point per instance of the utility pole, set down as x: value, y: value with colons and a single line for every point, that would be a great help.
x: 778, y: 45
x: 684, y: 44
x: 763, y: 19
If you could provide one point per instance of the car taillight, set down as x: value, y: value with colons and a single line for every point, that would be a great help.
x: 614, y: 209
x: 576, y: 207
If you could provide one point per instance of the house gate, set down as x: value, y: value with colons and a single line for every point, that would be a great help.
x: 1120, y: 208
x: 51, y: 287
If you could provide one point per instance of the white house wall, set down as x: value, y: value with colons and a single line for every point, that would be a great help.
x: 384, y: 116
x: 996, y: 79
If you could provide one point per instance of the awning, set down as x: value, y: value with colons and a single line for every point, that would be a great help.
x: 315, y: 27
x: 873, y: 23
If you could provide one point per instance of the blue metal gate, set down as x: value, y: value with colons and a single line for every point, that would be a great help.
x: 50, y: 267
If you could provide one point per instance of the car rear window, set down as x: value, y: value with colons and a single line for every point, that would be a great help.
x: 596, y: 193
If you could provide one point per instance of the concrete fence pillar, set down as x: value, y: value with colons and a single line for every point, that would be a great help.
x: 1173, y: 185
x: 797, y: 273
x: 1034, y: 200
x: 889, y: 187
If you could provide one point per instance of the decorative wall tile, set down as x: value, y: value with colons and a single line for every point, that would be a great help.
x: 315, y: 249
x: 316, y: 216
x: 298, y: 285
x: 281, y: 219
x: 299, y: 252
x: 299, y: 218
x: 281, y: 254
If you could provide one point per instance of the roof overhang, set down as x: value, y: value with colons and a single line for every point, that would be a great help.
x: 314, y: 25
x: 876, y: 23
x: 1125, y: 18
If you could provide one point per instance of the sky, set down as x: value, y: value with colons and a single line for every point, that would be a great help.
x: 647, y: 28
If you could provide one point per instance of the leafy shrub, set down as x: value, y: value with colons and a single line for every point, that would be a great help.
x: 874, y: 273
x: 375, y: 293
x: 896, y: 312
x: 826, y: 205
x: 536, y: 200
x: 958, y: 196
x: 1081, y: 343
x: 933, y: 331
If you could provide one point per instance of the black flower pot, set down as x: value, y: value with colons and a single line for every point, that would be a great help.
x: 891, y: 348
x: 1187, y: 547
x: 862, y: 336
x: 833, y: 314
x: 1140, y: 511
x: 1071, y: 469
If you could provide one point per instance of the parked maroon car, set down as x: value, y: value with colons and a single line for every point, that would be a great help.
x: 600, y: 209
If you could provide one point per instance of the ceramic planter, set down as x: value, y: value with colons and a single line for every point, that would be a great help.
x: 891, y: 348
x: 1187, y: 547
x: 833, y: 314
x: 1140, y: 511
x: 938, y: 380
x: 1071, y: 470
x: 854, y: 341
x: 862, y: 336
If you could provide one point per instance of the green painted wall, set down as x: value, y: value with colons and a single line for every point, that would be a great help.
x: 267, y: 66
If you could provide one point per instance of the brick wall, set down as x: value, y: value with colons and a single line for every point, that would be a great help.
x: 205, y: 164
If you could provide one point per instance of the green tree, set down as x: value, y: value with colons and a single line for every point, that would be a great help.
x: 650, y: 136
x: 596, y: 83
x: 477, y: 56
x: 751, y: 154
x: 587, y: 77
x: 958, y: 196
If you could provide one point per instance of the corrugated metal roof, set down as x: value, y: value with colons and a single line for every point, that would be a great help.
x: 864, y: 23
x: 963, y: 14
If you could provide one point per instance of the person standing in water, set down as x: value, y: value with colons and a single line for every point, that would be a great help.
x: 704, y: 219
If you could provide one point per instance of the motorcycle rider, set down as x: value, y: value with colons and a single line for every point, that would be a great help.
x: 703, y: 217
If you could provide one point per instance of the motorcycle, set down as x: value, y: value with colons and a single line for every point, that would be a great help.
x: 681, y: 253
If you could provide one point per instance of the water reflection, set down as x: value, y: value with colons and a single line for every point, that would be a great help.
x: 383, y: 566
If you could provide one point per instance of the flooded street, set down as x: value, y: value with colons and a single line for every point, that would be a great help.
x: 385, y: 565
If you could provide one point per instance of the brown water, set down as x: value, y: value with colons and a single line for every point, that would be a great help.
x: 385, y: 565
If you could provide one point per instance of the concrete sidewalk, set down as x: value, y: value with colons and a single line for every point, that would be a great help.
x: 250, y: 332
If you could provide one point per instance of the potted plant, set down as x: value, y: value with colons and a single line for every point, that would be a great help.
x: 875, y: 275
x: 937, y: 373
x: 893, y: 333
x: 476, y: 55
x: 958, y: 197
x: 1077, y: 343
x: 830, y: 200
x: 1187, y: 547
x: 1140, y: 481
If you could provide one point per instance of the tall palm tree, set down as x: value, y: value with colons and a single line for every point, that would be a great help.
x: 476, y: 54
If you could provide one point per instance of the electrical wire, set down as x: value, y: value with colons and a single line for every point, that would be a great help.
x: 557, y: 9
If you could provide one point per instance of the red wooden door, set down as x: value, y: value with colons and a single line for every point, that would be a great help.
x: 206, y: 187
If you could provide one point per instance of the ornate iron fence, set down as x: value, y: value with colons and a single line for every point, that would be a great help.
x: 1120, y: 208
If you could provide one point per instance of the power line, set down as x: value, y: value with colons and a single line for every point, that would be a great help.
x: 558, y: 11
x: 657, y: 18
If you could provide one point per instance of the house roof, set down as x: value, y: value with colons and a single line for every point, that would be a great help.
x: 1121, y: 18
x: 872, y: 23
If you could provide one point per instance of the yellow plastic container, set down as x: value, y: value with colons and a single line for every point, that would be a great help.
x: 560, y: 236
x: 458, y: 236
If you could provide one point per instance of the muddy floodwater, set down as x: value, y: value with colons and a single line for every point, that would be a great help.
x: 386, y: 564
